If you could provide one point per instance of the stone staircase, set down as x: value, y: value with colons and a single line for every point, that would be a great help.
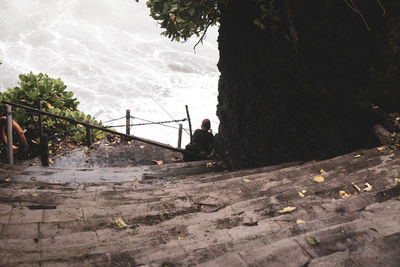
x: 195, y: 214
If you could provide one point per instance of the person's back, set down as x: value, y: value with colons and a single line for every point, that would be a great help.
x: 202, y: 142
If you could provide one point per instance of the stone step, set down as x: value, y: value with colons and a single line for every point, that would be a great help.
x: 225, y: 218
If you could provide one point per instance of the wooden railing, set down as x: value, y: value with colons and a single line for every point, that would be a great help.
x: 88, y: 126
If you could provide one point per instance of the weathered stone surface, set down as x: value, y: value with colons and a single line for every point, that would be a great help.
x: 212, y: 219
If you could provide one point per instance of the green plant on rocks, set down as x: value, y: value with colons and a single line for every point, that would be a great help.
x: 53, y: 97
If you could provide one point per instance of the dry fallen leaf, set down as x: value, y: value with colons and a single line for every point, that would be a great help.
x: 380, y: 148
x: 368, y: 187
x: 209, y: 164
x: 304, y: 191
x: 246, y: 180
x: 33, y: 178
x: 120, y: 223
x: 286, y: 210
x: 35, y: 194
x: 396, y: 180
x: 133, y: 180
x: 357, y: 156
x: 51, y: 161
x: 356, y: 187
x: 239, y: 192
x: 158, y: 162
x: 180, y: 237
x: 397, y: 118
x: 321, y: 171
x: 343, y: 194
x: 300, y: 194
x: 312, y: 241
x: 318, y: 179
x: 300, y: 221
x: 142, y: 147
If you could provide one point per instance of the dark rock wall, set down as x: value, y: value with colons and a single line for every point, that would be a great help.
x: 277, y: 104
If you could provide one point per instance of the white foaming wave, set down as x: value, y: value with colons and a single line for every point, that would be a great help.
x: 112, y: 58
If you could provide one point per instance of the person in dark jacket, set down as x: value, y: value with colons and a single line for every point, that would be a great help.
x: 202, y: 142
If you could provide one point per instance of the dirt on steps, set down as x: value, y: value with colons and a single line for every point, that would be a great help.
x: 113, y: 151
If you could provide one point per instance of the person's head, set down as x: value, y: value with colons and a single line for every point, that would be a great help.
x: 206, y: 125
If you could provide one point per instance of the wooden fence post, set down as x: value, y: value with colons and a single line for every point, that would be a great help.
x: 190, y: 124
x: 128, y: 121
x: 88, y: 137
x: 9, y: 135
x: 180, y: 136
x: 44, y: 149
x: 40, y: 119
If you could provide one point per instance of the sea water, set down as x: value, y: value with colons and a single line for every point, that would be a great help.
x: 112, y: 56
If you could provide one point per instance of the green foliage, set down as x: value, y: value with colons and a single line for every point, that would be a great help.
x: 51, y: 92
x: 184, y: 18
x: 55, y: 99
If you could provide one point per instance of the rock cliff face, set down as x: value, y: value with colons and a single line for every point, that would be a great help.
x: 284, y: 100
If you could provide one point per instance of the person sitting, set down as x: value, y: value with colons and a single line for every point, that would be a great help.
x: 202, y: 143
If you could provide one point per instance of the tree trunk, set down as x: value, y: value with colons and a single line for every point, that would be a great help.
x: 281, y: 102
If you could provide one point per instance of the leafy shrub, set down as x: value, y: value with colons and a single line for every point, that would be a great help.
x: 54, y: 98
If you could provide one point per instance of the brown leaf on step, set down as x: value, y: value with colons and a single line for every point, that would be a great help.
x: 300, y: 194
x: 246, y: 180
x: 312, y: 241
x: 322, y: 171
x: 286, y: 210
x: 120, y: 223
x: 357, y: 156
x: 319, y: 179
x: 158, y: 162
x: 368, y: 187
x: 300, y: 221
x: 380, y: 148
x: 209, y: 164
x: 343, y: 194
x: 356, y: 187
